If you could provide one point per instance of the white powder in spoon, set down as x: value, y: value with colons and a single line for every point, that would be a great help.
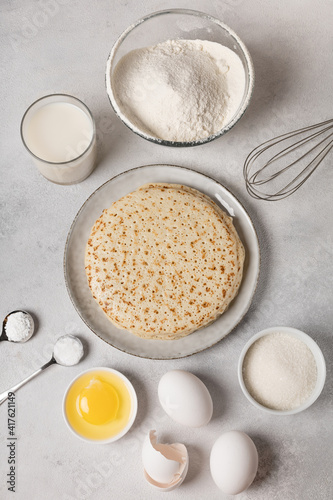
x: 19, y: 326
x: 280, y: 371
x: 68, y: 350
x: 179, y: 90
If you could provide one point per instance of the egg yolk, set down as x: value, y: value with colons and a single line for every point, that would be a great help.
x: 98, y: 405
x: 98, y: 402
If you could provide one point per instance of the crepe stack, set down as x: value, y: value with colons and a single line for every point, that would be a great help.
x: 164, y: 261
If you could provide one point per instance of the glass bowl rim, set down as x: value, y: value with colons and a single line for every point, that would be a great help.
x: 248, y: 68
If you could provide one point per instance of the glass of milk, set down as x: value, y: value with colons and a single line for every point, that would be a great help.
x: 59, y: 132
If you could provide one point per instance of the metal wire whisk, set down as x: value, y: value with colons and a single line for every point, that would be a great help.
x: 278, y: 167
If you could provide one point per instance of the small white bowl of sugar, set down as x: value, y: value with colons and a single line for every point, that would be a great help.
x: 281, y: 370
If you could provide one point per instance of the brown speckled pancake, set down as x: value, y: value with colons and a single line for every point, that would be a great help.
x: 164, y: 261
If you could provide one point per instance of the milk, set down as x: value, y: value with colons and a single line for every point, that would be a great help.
x: 59, y: 132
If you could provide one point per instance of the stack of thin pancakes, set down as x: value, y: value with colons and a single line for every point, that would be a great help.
x: 164, y: 261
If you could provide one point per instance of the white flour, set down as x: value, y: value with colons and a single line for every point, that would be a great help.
x: 19, y: 327
x: 280, y: 371
x: 179, y: 90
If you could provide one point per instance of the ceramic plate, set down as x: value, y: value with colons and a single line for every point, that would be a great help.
x: 94, y: 316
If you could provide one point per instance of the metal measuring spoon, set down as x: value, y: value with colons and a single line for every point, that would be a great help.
x: 30, y: 330
x: 59, y: 356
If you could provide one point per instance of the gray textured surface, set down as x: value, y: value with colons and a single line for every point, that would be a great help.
x: 62, y: 46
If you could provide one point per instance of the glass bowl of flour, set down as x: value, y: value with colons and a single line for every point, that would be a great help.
x: 179, y: 78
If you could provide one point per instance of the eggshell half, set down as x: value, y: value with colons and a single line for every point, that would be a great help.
x: 156, y: 464
x: 165, y: 465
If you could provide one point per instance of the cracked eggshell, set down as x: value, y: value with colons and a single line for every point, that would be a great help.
x: 233, y: 462
x: 185, y: 398
x: 165, y: 465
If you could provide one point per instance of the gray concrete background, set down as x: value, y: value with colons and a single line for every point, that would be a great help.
x: 62, y: 46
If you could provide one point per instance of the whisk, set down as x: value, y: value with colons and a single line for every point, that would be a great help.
x: 280, y: 166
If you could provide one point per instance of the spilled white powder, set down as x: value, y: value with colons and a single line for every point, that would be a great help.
x: 280, y: 371
x: 179, y: 90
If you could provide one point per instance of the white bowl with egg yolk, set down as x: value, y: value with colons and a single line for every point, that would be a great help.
x: 100, y: 405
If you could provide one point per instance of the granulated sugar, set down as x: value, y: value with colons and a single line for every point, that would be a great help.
x: 280, y: 371
x: 179, y: 90
x: 68, y: 350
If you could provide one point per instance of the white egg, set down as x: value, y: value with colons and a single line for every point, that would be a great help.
x: 233, y: 462
x: 185, y: 398
x: 165, y: 465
